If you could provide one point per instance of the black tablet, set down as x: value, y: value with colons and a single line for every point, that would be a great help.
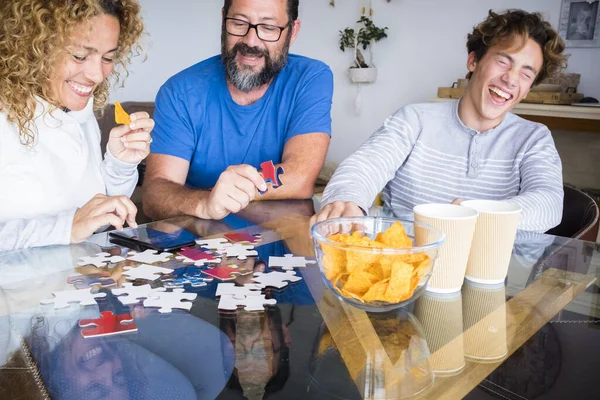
x: 148, y: 238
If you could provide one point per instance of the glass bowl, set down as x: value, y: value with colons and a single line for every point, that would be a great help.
x: 375, y: 278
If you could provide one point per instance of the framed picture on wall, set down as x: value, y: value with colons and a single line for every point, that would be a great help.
x: 579, y: 24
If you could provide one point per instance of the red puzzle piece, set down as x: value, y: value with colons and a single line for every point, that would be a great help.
x: 86, y: 281
x: 107, y: 324
x: 242, y: 237
x: 271, y: 174
x: 194, y: 253
x: 226, y: 272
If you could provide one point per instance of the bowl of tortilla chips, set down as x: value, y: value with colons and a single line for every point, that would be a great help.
x: 376, y: 263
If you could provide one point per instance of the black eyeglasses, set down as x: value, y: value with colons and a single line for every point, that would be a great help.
x: 265, y: 32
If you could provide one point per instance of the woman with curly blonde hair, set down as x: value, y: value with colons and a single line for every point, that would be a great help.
x: 57, y: 59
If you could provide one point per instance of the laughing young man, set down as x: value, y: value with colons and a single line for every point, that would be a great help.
x: 473, y: 148
x: 218, y: 120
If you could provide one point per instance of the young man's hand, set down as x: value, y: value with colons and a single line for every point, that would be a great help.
x: 337, y: 209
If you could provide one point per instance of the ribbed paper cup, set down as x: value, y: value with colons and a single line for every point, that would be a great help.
x: 493, y: 240
x: 441, y: 316
x: 484, y: 319
x: 458, y: 223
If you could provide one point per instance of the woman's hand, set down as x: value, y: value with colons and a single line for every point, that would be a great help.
x: 131, y: 143
x: 102, y: 210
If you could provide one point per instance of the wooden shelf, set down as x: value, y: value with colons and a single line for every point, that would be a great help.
x: 557, y: 117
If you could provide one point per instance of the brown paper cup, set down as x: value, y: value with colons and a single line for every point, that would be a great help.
x: 441, y: 316
x: 458, y: 224
x: 493, y: 240
x: 484, y: 319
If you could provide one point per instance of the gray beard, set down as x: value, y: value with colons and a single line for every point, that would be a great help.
x: 246, y: 80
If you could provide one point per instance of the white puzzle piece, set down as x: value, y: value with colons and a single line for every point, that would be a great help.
x: 198, y: 263
x: 99, y: 260
x: 84, y: 297
x: 239, y: 292
x: 135, y: 293
x: 275, y: 279
x: 149, y: 256
x: 216, y: 245
x: 289, y: 262
x: 144, y: 271
x: 241, y: 251
x: 250, y: 303
x: 167, y: 301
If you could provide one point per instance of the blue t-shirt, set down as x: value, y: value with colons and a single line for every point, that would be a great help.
x: 197, y: 119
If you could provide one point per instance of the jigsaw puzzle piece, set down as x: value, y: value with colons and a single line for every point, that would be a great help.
x: 99, y: 260
x: 239, y: 292
x: 107, y: 324
x: 240, y: 251
x: 181, y: 281
x: 226, y: 272
x: 149, y: 256
x: 84, y: 297
x: 134, y: 293
x: 250, y: 303
x: 271, y: 174
x: 148, y: 272
x: 198, y: 255
x: 86, y: 281
x: 215, y: 245
x: 275, y: 279
x: 167, y: 301
x: 243, y: 237
x: 289, y: 262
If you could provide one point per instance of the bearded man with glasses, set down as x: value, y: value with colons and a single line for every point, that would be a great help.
x: 218, y: 120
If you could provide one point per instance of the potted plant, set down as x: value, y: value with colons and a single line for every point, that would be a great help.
x: 362, y: 71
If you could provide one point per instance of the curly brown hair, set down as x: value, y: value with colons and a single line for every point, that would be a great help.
x: 33, y: 39
x: 505, y: 29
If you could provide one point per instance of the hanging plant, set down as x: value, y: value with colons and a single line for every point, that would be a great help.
x: 366, y: 35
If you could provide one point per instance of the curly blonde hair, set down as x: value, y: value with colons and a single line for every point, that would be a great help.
x: 33, y: 39
x: 505, y: 29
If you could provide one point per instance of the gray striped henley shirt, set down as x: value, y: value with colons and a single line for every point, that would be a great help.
x: 425, y: 154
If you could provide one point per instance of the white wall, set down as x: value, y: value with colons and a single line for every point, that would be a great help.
x: 425, y: 50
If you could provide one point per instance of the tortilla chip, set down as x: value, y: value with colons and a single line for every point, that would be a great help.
x: 395, y: 236
x: 374, y: 273
x: 413, y: 258
x: 422, y: 267
x: 358, y: 283
x: 121, y: 117
x: 334, y: 261
x: 377, y: 291
x: 400, y: 287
